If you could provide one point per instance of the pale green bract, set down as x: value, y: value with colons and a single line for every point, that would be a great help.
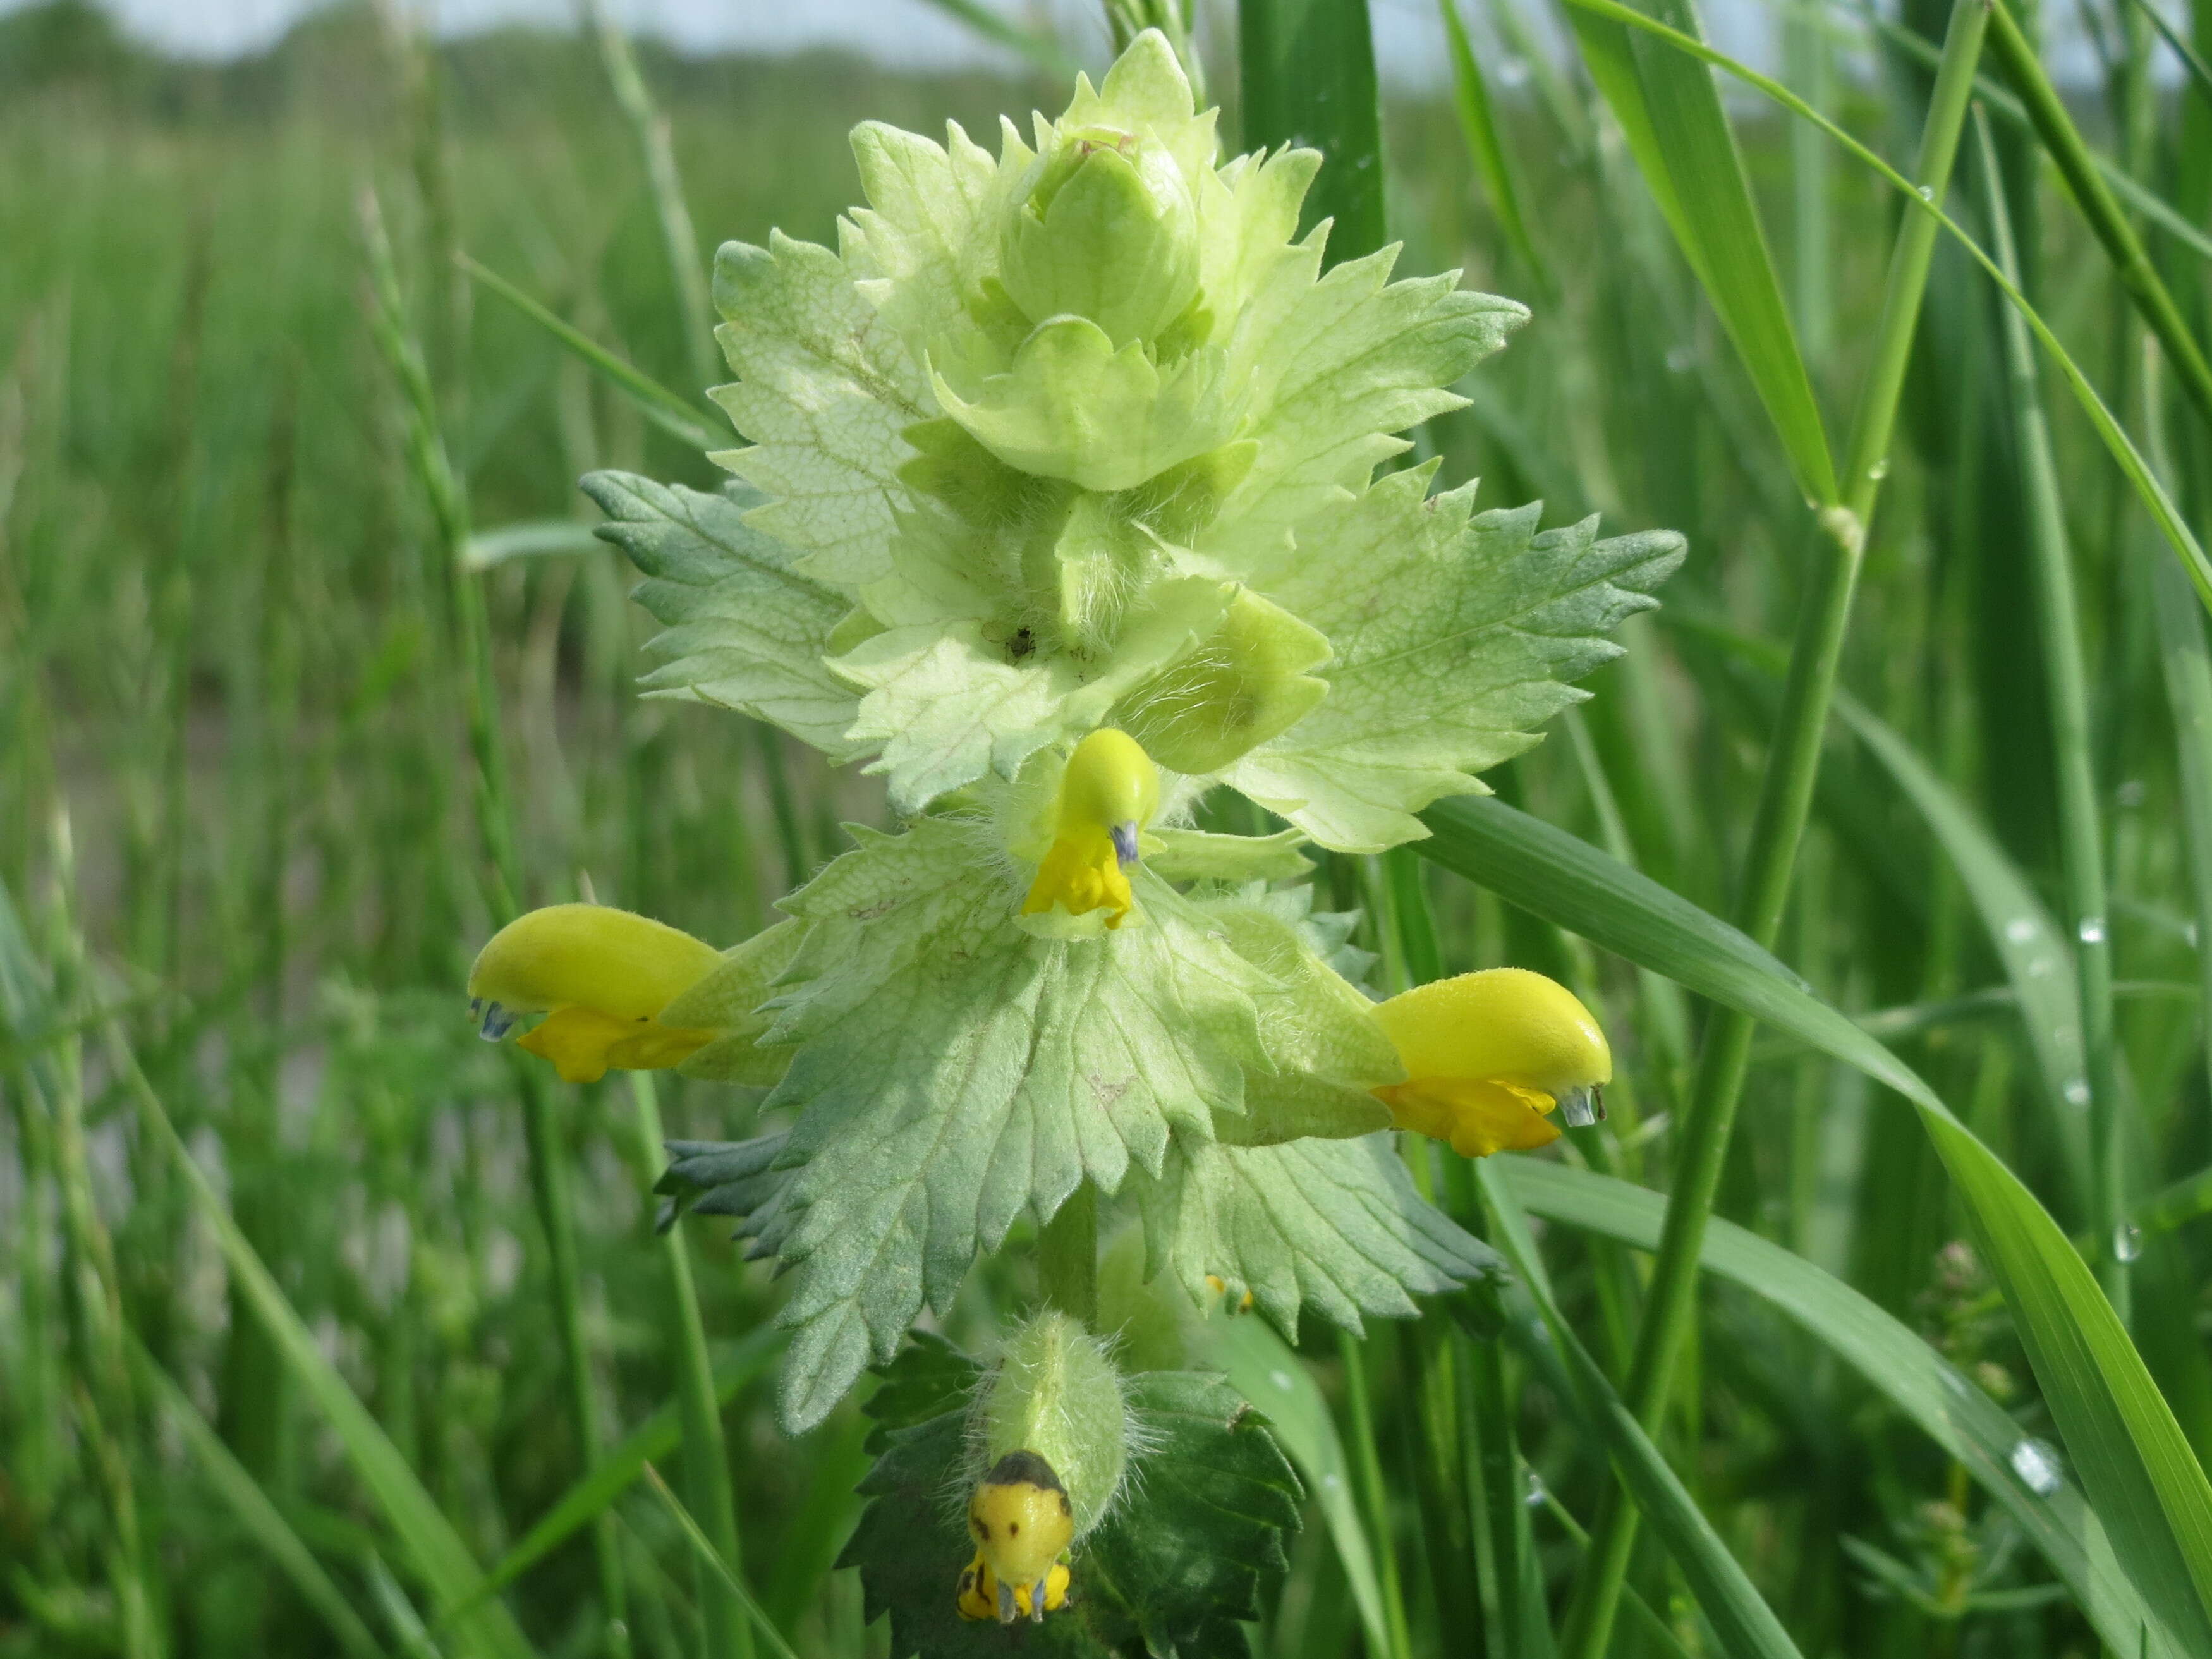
x: 1082, y: 435
x: 949, y: 1073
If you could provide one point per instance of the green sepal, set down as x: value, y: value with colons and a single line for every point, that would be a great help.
x: 1200, y: 855
x: 1335, y: 1224
x: 1197, y: 1546
x: 1247, y: 682
x: 1108, y: 232
x: 1055, y: 1392
x: 1071, y: 405
x: 744, y: 630
x: 1327, y: 1049
x: 728, y: 1000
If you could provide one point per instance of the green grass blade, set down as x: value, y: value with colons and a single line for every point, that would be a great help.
x: 2081, y: 830
x: 2027, y: 939
x: 2063, y: 141
x: 713, y: 1561
x: 440, y: 1560
x: 2006, y: 108
x: 673, y: 414
x: 2115, y: 441
x: 1670, y: 113
x: 2145, y: 1482
x: 2200, y: 75
x: 1746, y: 1626
x: 256, y: 1515
x: 1478, y: 126
x: 2186, y: 667
x: 1308, y: 77
x: 624, y: 1462
x: 1265, y: 1369
x: 1919, y: 1381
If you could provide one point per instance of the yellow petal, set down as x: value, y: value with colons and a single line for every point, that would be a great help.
x: 1506, y: 1024
x: 584, y: 1044
x: 1110, y: 780
x: 1081, y: 872
x: 1477, y: 1115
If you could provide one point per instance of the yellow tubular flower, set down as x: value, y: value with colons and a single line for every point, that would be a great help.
x: 601, y: 976
x: 1022, y: 1521
x: 1488, y: 1056
x: 1108, y: 794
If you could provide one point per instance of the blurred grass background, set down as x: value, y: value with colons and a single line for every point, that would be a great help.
x: 236, y: 828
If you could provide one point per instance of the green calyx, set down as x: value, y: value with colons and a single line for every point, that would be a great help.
x: 1108, y: 232
x: 1057, y: 1393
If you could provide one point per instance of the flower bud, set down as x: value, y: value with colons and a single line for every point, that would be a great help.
x: 1108, y: 231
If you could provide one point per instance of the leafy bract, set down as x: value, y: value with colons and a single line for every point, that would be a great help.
x: 823, y: 391
x: 1189, y: 1551
x: 1456, y: 634
x: 1333, y: 1222
x: 745, y: 629
x: 948, y: 1072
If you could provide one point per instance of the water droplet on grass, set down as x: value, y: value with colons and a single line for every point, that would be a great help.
x: 2127, y: 1242
x: 2036, y: 1463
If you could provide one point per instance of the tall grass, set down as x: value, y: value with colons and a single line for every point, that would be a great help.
x: 319, y: 1332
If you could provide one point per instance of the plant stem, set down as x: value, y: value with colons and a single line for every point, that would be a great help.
x: 2081, y: 837
x: 729, y: 1632
x: 1067, y: 1256
x: 1784, y: 801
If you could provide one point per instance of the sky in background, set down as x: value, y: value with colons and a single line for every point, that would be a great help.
x: 1409, y: 40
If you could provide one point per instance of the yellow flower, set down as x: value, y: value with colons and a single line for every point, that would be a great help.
x: 601, y: 976
x: 1488, y: 1057
x: 1107, y: 796
x: 1022, y: 1521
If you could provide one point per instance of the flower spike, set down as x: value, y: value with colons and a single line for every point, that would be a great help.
x: 602, y: 977
x: 1108, y: 794
x: 1490, y: 1056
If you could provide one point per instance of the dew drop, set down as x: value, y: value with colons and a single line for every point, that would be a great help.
x: 1281, y: 1380
x: 2077, y: 1092
x: 2091, y: 930
x: 1926, y: 193
x: 1880, y: 470
x: 2127, y: 1242
x: 2036, y: 1463
x: 2020, y: 930
x: 1534, y: 1497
